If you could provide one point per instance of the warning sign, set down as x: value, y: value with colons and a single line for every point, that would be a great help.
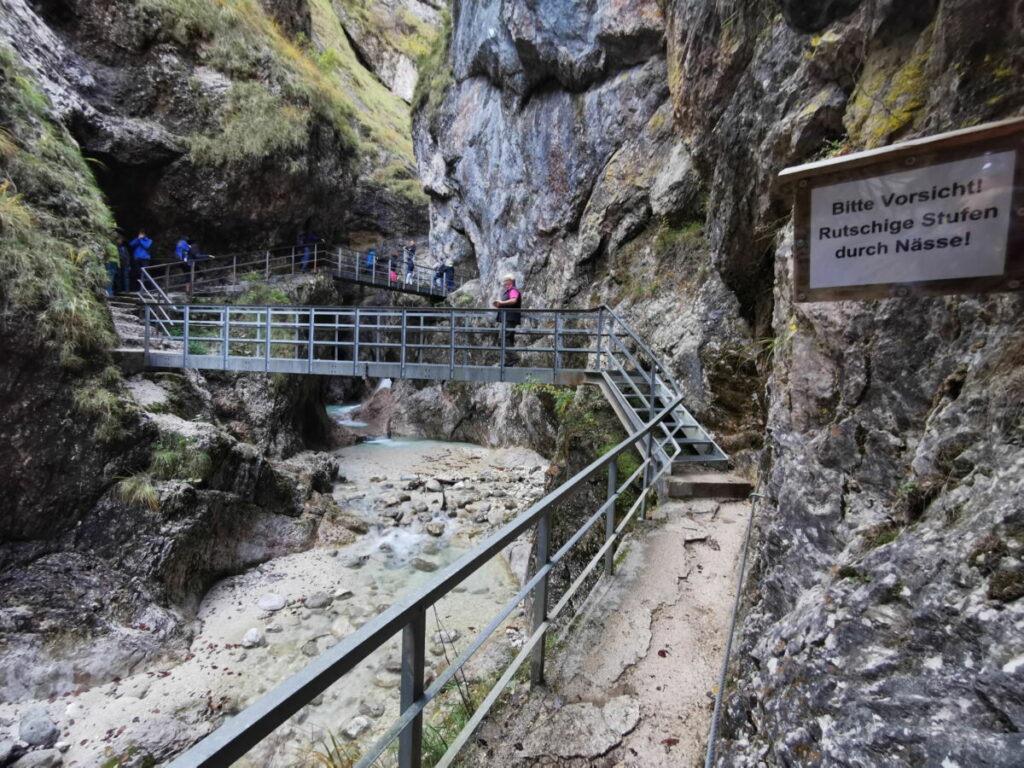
x: 889, y: 223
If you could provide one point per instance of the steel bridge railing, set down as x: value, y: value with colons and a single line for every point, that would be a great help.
x: 408, y: 617
x: 209, y: 272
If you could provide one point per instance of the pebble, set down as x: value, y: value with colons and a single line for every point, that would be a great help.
x: 37, y: 728
x: 344, y: 594
x: 354, y: 561
x: 254, y: 638
x: 309, y: 648
x: 271, y: 602
x: 273, y: 628
x: 421, y: 564
x: 356, y: 727
x: 447, y: 636
x: 435, y: 529
x: 318, y: 600
x: 409, y: 477
x: 433, y: 486
x: 430, y: 548
x: 386, y: 680
x: 372, y: 709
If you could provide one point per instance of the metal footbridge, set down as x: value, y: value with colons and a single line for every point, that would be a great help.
x: 567, y: 347
x: 214, y: 274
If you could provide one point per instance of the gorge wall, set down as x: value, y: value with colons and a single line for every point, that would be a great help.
x: 628, y: 153
x: 241, y: 124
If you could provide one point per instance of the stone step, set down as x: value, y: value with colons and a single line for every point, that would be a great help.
x: 707, y: 485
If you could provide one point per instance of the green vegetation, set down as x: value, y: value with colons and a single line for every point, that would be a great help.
x: 282, y: 86
x: 253, y: 123
x: 556, y: 397
x: 435, y: 72
x: 881, y: 534
x: 94, y: 399
x: 174, y: 458
x: 54, y: 224
x: 138, y: 491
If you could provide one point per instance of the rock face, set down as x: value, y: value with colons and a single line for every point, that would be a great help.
x: 633, y: 160
x: 216, y: 124
x: 554, y: 156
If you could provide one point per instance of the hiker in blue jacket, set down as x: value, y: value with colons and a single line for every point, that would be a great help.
x: 140, y: 256
x: 371, y: 257
x: 307, y: 239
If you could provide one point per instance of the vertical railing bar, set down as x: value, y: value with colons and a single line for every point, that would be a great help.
x: 225, y: 318
x: 451, y: 343
x: 557, y: 341
x: 312, y: 326
x: 266, y: 340
x: 600, y: 333
x: 146, y: 319
x: 609, y: 516
x: 540, y: 596
x: 184, y: 336
x: 414, y: 636
x: 355, y: 347
x: 401, y: 365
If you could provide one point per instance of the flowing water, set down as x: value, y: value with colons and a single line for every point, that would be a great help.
x: 302, y: 604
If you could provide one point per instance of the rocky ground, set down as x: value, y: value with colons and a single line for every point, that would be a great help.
x: 402, y: 510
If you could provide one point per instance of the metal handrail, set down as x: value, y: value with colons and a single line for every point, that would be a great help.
x: 203, y: 272
x: 242, y: 732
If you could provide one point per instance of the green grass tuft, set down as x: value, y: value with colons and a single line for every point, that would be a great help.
x: 138, y: 491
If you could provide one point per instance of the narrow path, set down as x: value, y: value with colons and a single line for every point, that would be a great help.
x: 633, y: 683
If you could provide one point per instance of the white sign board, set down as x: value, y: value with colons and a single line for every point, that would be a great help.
x: 941, y: 222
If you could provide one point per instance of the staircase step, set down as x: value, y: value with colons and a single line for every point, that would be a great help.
x: 707, y: 485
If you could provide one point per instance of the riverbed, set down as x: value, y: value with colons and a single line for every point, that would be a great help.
x: 419, y: 504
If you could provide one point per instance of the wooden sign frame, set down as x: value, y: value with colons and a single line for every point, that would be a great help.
x: 910, y: 155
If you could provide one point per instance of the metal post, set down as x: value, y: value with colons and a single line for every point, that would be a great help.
x: 600, y: 333
x: 191, y: 280
x: 451, y: 344
x: 234, y: 268
x: 540, y: 598
x: 558, y: 352
x: 355, y: 340
x: 504, y: 325
x: 309, y: 358
x: 145, y: 333
x: 410, y: 741
x: 316, y: 254
x: 402, y: 348
x: 266, y: 341
x: 266, y: 267
x: 184, y: 336
x: 225, y: 318
x: 419, y: 357
x: 609, y: 516
x: 650, y: 443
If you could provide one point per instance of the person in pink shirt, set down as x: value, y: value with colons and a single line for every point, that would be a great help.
x: 509, y: 316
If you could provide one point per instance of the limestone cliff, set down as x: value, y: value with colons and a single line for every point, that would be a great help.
x: 628, y: 153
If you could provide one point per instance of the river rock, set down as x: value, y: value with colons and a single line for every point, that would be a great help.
x: 386, y: 680
x: 496, y: 516
x: 390, y: 501
x: 372, y: 709
x: 356, y: 727
x: 6, y: 751
x: 318, y: 600
x: 421, y: 564
x: 37, y: 728
x: 430, y: 547
x: 254, y: 638
x: 419, y: 507
x: 44, y: 758
x: 344, y: 594
x: 409, y: 477
x: 354, y: 561
x: 341, y: 627
x: 433, y: 486
x: 447, y: 636
x: 310, y: 648
x: 435, y: 529
x: 271, y: 602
